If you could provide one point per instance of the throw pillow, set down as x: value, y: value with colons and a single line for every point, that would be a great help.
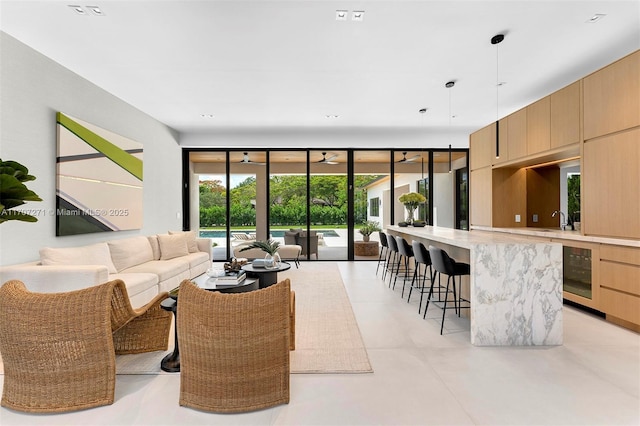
x: 155, y: 246
x: 190, y: 239
x: 129, y: 252
x: 172, y: 246
x: 95, y: 254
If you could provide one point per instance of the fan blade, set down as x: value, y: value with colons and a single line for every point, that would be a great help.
x: 412, y: 159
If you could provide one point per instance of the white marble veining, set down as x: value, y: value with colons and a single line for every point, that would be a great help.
x: 515, y: 285
x: 516, y: 294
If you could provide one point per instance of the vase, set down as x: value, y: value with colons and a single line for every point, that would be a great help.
x: 276, y: 260
x: 410, y: 211
x: 365, y: 238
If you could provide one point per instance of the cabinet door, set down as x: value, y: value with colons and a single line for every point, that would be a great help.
x: 480, y: 147
x: 480, y: 197
x: 517, y: 134
x: 539, y: 126
x: 565, y: 116
x: 611, y: 190
x: 611, y: 101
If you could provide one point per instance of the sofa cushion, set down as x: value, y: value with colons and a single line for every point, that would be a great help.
x: 95, y: 254
x: 136, y: 283
x: 172, y: 246
x: 164, y: 269
x: 129, y: 252
x: 196, y: 259
x: 155, y: 246
x: 190, y: 239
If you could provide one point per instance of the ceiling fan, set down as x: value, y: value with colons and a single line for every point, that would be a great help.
x: 245, y: 160
x: 408, y: 160
x: 328, y: 160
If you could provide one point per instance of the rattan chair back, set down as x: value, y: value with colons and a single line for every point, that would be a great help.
x: 234, y: 348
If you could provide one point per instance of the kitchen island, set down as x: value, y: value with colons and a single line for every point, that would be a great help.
x: 515, y: 286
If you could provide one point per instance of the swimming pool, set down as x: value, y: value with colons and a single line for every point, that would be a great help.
x: 276, y: 233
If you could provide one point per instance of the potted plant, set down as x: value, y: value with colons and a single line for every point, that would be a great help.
x: 368, y: 228
x: 271, y: 247
x: 411, y: 201
x: 13, y: 192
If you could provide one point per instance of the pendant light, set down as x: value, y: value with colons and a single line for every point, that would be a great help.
x: 495, y: 40
x: 449, y: 85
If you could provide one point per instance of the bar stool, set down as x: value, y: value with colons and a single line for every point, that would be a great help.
x: 384, y: 251
x: 405, y: 252
x: 443, y: 264
x: 422, y: 259
x: 393, y: 253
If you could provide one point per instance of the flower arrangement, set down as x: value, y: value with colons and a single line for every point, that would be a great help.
x: 412, y: 199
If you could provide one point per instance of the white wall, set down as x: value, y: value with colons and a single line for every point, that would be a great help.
x: 32, y: 89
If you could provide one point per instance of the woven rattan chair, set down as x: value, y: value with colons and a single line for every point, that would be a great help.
x: 58, y: 348
x: 234, y: 348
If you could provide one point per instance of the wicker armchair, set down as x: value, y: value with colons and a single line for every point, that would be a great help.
x: 234, y: 348
x: 58, y: 348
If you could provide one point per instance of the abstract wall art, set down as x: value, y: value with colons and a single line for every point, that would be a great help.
x: 99, y: 179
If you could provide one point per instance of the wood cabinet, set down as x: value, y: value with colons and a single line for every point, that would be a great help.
x: 565, y: 116
x: 539, y: 126
x: 482, y: 147
x: 611, y: 185
x: 620, y: 285
x: 517, y: 134
x: 480, y: 197
x: 611, y: 100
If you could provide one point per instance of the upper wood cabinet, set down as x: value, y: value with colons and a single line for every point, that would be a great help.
x: 539, y: 126
x: 480, y: 189
x: 517, y: 134
x: 565, y: 116
x: 482, y: 146
x: 611, y: 190
x: 611, y: 100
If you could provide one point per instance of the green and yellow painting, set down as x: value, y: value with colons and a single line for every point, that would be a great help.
x: 99, y: 179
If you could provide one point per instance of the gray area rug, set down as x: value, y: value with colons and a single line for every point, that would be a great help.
x: 328, y: 339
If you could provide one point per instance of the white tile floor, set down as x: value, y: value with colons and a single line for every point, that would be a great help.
x: 420, y: 377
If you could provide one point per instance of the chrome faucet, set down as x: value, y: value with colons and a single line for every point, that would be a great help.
x: 563, y: 222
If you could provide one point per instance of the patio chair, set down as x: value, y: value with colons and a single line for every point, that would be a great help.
x: 234, y: 348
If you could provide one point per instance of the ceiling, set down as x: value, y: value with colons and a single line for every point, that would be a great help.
x: 211, y: 66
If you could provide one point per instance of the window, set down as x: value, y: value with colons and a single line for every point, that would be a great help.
x: 374, y: 207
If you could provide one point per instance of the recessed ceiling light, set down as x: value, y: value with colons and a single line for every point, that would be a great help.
x: 206, y: 115
x: 595, y: 18
x: 341, y: 15
x: 422, y: 110
x: 331, y: 116
x: 501, y: 83
x: 96, y: 10
x: 78, y: 9
x: 357, y: 15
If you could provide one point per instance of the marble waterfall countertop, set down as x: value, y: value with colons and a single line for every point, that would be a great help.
x: 559, y: 234
x: 515, y: 284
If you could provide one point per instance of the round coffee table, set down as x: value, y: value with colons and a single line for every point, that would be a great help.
x: 267, y: 276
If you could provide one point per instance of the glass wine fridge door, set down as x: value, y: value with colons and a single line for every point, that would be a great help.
x: 577, y: 271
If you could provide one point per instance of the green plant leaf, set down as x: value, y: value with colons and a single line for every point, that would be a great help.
x: 270, y: 246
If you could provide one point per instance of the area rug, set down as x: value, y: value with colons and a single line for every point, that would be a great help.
x: 328, y: 339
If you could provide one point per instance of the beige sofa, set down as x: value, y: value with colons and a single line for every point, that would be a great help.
x: 148, y: 265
